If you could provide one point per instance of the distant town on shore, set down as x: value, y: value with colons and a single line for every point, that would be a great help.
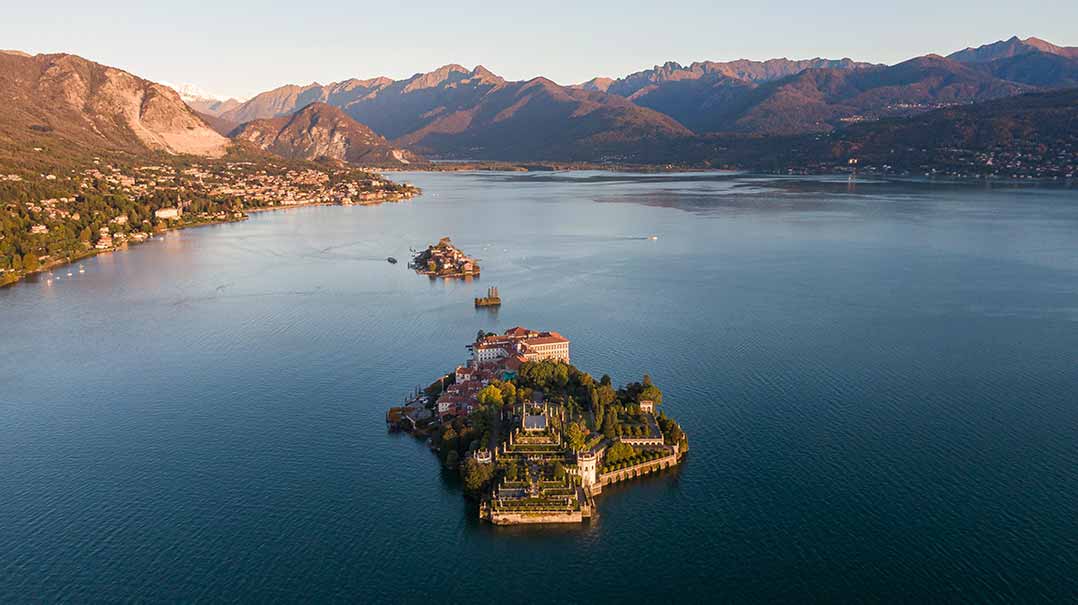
x: 118, y: 204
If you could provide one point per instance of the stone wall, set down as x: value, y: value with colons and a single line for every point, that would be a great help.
x: 635, y: 471
x: 514, y: 518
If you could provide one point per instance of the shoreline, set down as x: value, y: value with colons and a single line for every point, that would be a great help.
x: 92, y: 252
x: 541, y: 167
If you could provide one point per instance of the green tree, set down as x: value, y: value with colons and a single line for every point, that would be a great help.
x: 561, y: 375
x: 450, y: 441
x: 29, y: 262
x: 572, y: 407
x: 618, y: 452
x: 509, y: 392
x: 84, y: 235
x: 575, y: 435
x: 607, y: 395
x: 452, y: 459
x: 610, y: 421
x: 559, y: 471
x: 490, y: 395
x: 651, y: 392
x: 476, y: 475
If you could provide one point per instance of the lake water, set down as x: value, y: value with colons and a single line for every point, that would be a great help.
x: 879, y: 382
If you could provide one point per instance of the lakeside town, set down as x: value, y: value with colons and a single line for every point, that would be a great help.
x: 107, y: 206
x: 534, y: 438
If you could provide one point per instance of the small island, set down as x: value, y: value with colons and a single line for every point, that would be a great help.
x: 492, y: 299
x: 534, y: 438
x: 444, y: 260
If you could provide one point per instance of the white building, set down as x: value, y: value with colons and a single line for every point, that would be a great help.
x: 523, y: 343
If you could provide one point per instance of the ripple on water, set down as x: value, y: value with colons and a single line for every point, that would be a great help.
x: 878, y: 394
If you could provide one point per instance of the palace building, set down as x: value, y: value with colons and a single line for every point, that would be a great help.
x: 522, y: 344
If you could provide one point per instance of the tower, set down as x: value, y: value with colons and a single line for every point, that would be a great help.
x: 587, y: 463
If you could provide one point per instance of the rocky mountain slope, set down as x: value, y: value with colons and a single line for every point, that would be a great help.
x: 744, y: 70
x: 1011, y: 48
x: 67, y: 100
x: 456, y: 112
x: 821, y: 99
x: 818, y: 99
x: 1040, y: 69
x: 322, y: 131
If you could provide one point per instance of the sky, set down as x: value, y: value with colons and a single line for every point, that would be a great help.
x: 241, y: 48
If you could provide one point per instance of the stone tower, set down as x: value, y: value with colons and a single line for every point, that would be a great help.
x: 587, y: 463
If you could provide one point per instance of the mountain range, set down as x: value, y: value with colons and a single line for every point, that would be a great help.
x: 454, y: 112
x: 657, y: 114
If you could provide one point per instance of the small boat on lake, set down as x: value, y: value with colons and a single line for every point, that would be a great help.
x: 392, y: 260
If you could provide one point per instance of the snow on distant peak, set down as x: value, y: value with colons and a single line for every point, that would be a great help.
x: 193, y: 92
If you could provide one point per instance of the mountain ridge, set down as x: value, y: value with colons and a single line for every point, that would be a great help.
x: 1009, y: 48
x: 68, y: 98
x: 318, y: 131
x: 445, y: 112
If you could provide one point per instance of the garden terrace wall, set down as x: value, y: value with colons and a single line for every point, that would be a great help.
x: 637, y: 470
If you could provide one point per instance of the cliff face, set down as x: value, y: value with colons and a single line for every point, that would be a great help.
x: 323, y: 131
x: 88, y: 104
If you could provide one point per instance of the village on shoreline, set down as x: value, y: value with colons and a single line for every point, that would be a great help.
x: 534, y: 438
x: 109, y: 206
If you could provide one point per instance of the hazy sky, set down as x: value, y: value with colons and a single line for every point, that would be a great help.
x: 241, y: 48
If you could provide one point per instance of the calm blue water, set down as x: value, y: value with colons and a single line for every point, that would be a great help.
x: 879, y: 382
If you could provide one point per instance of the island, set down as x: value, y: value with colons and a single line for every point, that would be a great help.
x: 444, y: 260
x: 534, y: 438
x: 492, y: 299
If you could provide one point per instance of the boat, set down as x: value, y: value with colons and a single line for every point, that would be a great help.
x: 492, y: 299
x: 653, y: 238
x: 391, y: 260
